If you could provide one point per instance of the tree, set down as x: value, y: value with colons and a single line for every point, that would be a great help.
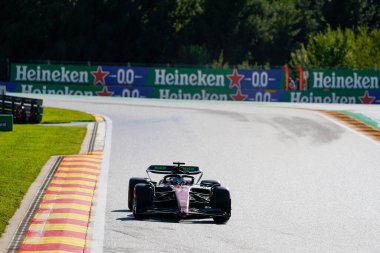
x: 248, y: 32
x: 340, y: 48
x: 352, y: 13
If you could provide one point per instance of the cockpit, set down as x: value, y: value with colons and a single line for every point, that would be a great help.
x: 177, y: 179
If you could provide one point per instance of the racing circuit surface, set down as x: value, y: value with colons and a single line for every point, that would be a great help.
x: 299, y: 181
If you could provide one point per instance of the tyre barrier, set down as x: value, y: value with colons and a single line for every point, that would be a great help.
x: 24, y: 110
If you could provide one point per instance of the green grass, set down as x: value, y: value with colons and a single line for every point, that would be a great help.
x: 24, y: 151
x: 363, y: 118
x: 55, y: 115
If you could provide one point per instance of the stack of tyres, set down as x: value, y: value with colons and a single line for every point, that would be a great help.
x: 24, y: 110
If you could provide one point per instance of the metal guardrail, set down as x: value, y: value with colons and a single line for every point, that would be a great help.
x: 24, y: 110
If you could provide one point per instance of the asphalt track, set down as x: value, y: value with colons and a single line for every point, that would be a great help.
x: 299, y: 181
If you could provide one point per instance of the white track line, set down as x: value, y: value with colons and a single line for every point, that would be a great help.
x: 101, y: 198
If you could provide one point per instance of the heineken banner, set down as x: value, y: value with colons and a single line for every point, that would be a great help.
x: 143, y: 76
x: 185, y: 93
x: 216, y: 78
x: 319, y: 79
x: 217, y: 94
x: 334, y: 97
x: 321, y: 86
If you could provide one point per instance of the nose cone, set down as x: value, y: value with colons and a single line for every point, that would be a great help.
x: 182, y: 194
x: 183, y: 214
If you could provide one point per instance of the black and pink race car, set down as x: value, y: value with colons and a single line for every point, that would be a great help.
x: 179, y: 192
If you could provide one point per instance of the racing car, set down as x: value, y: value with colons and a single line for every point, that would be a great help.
x: 178, y: 191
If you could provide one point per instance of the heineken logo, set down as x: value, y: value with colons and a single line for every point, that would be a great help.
x: 235, y: 79
x: 354, y: 81
x: 76, y: 90
x: 179, y: 94
x: 25, y: 73
x: 105, y: 92
x: 299, y: 97
x: 366, y: 98
x: 176, y: 78
x: 99, y: 76
x: 303, y: 97
x: 65, y: 90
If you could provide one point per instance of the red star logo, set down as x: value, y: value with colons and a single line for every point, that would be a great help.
x: 99, y: 76
x: 104, y: 92
x: 367, y: 99
x: 238, y: 96
x: 235, y: 79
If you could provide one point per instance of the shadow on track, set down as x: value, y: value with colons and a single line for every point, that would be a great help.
x: 162, y: 218
x: 122, y: 211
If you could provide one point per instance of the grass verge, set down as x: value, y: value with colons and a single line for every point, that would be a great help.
x: 361, y: 117
x: 55, y: 115
x: 24, y: 151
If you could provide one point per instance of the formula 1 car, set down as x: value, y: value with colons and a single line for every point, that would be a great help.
x: 178, y: 193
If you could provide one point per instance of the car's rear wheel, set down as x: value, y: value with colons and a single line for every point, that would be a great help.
x: 132, y: 182
x: 221, y: 199
x: 143, y: 198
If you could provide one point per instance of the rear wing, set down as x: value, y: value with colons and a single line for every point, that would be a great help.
x: 170, y: 169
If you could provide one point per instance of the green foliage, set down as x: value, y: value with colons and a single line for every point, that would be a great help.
x: 220, y: 63
x: 249, y: 32
x: 299, y: 57
x: 352, y: 13
x: 185, y: 11
x: 193, y: 54
x: 340, y: 48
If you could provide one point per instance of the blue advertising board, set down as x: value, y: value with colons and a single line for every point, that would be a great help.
x: 7, y: 87
x: 261, y: 79
x: 263, y: 95
x: 126, y: 76
x: 133, y: 92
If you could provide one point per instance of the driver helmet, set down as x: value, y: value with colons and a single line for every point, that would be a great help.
x: 176, y: 180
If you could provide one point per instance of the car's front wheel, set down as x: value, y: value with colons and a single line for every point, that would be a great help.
x: 132, y: 182
x: 221, y: 199
x: 143, y: 198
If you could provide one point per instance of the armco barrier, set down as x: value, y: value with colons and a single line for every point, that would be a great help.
x: 24, y: 110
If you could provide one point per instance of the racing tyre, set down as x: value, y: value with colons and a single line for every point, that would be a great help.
x: 210, y: 183
x: 221, y: 199
x: 143, y: 198
x: 20, y: 114
x: 132, y: 182
x: 34, y: 117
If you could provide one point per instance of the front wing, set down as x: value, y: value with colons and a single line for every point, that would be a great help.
x: 193, y: 212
